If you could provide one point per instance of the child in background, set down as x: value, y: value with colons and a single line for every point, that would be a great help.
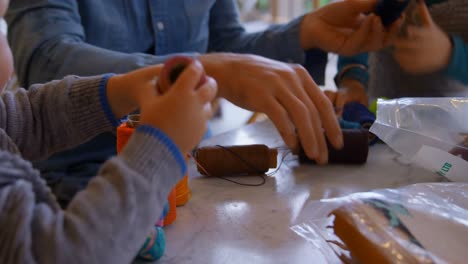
x: 430, y: 61
x: 109, y: 220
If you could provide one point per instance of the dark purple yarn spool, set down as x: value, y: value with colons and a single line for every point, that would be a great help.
x: 355, y: 149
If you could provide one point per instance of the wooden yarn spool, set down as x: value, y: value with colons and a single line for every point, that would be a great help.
x: 124, y: 132
x: 355, y: 149
x: 235, y: 160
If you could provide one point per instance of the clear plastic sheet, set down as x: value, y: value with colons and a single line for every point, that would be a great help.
x: 428, y: 132
x: 421, y: 223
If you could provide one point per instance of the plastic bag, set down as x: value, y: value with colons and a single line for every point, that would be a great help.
x: 421, y: 223
x: 429, y: 132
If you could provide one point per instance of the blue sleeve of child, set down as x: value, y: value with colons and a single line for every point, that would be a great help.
x: 346, y: 71
x: 458, y: 66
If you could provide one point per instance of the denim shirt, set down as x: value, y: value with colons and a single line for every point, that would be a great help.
x: 53, y: 38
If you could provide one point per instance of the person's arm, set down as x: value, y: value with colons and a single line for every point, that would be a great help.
x: 279, y: 42
x: 106, y: 223
x: 49, y: 42
x: 351, y: 81
x: 58, y: 114
x: 354, y: 68
x: 458, y: 65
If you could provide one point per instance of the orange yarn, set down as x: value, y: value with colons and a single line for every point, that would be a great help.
x: 172, y: 214
x: 124, y: 133
x: 183, y: 192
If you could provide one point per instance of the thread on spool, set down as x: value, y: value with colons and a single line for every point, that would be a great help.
x: 183, y: 192
x: 236, y: 160
x: 203, y: 171
x: 238, y: 156
x: 172, y: 213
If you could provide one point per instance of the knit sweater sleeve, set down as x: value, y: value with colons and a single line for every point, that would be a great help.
x: 57, y: 115
x: 106, y: 223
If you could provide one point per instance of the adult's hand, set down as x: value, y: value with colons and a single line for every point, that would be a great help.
x: 284, y: 92
x: 347, y: 28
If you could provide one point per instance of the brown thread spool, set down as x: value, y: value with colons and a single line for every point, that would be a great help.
x: 355, y: 149
x: 235, y: 160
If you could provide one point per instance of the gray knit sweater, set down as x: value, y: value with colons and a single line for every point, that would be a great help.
x: 109, y: 220
x: 386, y: 78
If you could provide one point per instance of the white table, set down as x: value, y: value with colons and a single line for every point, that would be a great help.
x: 228, y: 223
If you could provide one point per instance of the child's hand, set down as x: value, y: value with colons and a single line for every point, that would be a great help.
x: 349, y: 91
x: 346, y: 28
x: 125, y: 92
x: 426, y: 49
x: 183, y: 111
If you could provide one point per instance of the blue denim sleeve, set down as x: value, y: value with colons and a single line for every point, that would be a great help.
x: 458, y: 66
x: 49, y: 42
x: 355, y: 73
x: 280, y: 42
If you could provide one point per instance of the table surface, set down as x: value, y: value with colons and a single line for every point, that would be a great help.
x: 228, y: 223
